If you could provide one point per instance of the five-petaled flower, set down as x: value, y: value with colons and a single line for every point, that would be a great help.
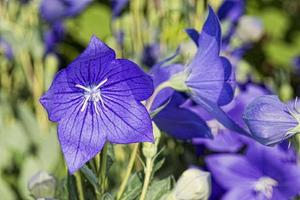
x: 259, y: 174
x: 95, y: 99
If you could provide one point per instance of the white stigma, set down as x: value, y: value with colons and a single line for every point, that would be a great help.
x: 215, y: 127
x: 92, y: 94
x: 265, y: 185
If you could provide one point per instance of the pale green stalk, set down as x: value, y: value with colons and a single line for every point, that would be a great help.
x: 133, y: 155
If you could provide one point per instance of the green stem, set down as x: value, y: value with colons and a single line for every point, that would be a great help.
x: 136, y: 146
x: 128, y: 172
x: 103, y: 169
x: 79, y: 186
x: 148, y: 171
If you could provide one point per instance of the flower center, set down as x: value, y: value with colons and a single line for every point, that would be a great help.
x: 265, y: 185
x: 215, y: 126
x: 92, y: 94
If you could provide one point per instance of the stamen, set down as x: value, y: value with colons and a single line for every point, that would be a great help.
x: 265, y: 185
x: 100, y: 84
x: 85, y: 103
x: 82, y: 87
x: 96, y: 107
x: 92, y: 93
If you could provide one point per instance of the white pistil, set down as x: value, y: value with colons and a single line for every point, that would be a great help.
x: 92, y: 93
x: 265, y: 185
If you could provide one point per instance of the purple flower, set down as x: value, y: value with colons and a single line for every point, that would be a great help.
x: 95, y: 99
x: 224, y: 139
x: 260, y: 174
x: 56, y: 10
x: 296, y: 63
x: 210, y: 77
x: 6, y: 49
x: 270, y: 121
x: 117, y: 7
x: 160, y: 74
x: 150, y: 55
x: 53, y: 36
x: 180, y: 122
x: 231, y: 10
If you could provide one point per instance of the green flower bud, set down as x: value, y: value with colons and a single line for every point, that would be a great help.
x: 42, y: 185
x: 150, y: 149
x: 250, y: 29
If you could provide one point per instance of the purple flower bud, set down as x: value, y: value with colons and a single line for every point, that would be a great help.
x: 270, y: 121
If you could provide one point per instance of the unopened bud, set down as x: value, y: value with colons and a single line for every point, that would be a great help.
x: 250, y: 29
x: 193, y: 184
x: 150, y: 149
x: 42, y: 185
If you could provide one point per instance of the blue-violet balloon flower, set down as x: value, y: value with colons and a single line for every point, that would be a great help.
x: 97, y: 98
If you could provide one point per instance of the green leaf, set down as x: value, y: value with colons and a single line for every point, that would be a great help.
x: 159, y: 188
x: 73, y: 195
x: 134, y: 187
x: 90, y: 176
x: 110, y: 156
x: 5, y: 191
x: 158, y: 165
x: 107, y: 196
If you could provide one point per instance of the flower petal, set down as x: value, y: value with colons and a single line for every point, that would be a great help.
x: 161, y: 74
x: 124, y: 120
x: 240, y: 193
x: 211, y: 76
x: 193, y: 34
x: 60, y: 97
x: 81, y: 136
x: 224, y: 141
x: 221, y: 116
x: 232, y: 171
x: 181, y: 122
x: 91, y: 66
x: 124, y: 71
x: 269, y: 120
x: 271, y: 160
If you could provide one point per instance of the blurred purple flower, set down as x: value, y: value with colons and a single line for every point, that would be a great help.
x: 117, y: 7
x: 6, y: 49
x: 56, y: 10
x: 296, y: 63
x: 150, y: 54
x: 260, y: 174
x: 270, y: 121
x: 230, y: 12
x: 53, y: 36
x: 97, y: 98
